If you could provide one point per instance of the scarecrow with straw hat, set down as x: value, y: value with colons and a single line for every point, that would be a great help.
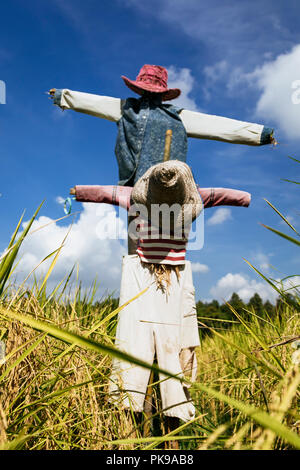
x: 152, y: 172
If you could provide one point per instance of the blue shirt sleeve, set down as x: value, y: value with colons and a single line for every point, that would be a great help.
x: 57, y: 97
x: 266, y: 135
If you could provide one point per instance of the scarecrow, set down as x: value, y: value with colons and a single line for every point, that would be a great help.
x: 143, y: 122
x: 140, y: 148
x: 162, y: 321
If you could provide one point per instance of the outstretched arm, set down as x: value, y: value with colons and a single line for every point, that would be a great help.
x: 116, y: 195
x: 207, y: 126
x: 212, y: 197
x: 120, y: 195
x: 104, y: 107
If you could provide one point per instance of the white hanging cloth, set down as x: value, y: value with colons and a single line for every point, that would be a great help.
x: 156, y: 322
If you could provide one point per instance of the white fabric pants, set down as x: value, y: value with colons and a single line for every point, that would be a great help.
x: 159, y: 323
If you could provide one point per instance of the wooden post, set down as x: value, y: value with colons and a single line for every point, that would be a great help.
x: 148, y: 407
x: 168, y: 145
x: 170, y: 423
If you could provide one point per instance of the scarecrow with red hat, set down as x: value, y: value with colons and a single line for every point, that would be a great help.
x: 143, y: 122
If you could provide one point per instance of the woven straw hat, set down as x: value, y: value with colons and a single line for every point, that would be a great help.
x: 169, y: 183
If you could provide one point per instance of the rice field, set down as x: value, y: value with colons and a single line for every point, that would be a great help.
x: 57, y: 359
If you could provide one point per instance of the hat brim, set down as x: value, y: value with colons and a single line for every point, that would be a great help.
x: 139, y: 87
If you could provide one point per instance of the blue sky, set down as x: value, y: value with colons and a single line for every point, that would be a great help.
x: 236, y: 59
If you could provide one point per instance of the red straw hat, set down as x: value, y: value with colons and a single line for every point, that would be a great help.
x: 153, y: 78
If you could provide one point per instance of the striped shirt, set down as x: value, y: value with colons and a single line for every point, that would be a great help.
x: 157, y: 248
x: 154, y: 248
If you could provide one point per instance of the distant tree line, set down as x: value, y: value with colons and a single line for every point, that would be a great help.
x: 208, y: 311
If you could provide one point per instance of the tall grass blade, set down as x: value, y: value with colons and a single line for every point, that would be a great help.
x: 283, y: 235
x: 295, y: 160
x: 282, y: 216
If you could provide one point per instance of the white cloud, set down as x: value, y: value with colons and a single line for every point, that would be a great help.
x: 246, y: 288
x: 182, y: 78
x: 220, y: 216
x: 199, y: 268
x: 275, y: 80
x: 243, y: 286
x: 213, y: 73
x: 92, y: 243
x: 225, y: 77
x: 262, y: 262
x: 236, y: 41
x: 230, y: 30
x: 60, y: 200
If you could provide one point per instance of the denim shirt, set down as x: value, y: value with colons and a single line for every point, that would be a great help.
x: 142, y: 124
x: 141, y: 136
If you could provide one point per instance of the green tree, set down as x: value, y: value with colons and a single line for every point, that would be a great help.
x: 269, y: 309
x: 237, y: 303
x: 256, y: 304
